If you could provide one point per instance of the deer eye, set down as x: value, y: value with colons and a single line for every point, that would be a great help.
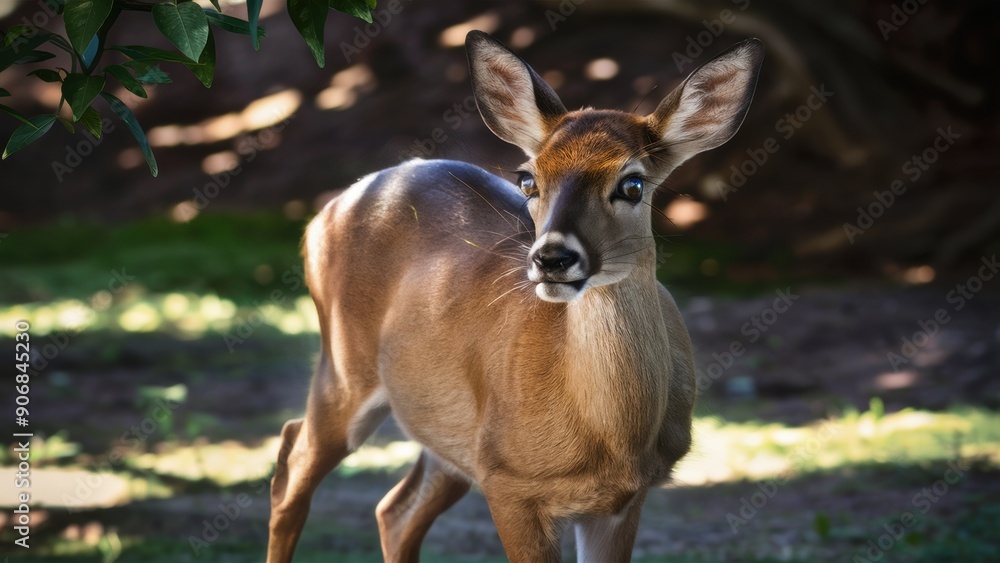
x: 527, y: 184
x: 629, y: 189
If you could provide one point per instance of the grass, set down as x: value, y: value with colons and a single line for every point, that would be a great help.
x: 243, y: 257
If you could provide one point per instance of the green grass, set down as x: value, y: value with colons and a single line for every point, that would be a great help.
x: 211, y: 254
x: 219, y: 254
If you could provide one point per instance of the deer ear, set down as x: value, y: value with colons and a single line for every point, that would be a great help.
x: 516, y: 104
x: 708, y: 108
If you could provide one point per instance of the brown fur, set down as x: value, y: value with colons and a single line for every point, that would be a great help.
x: 559, y: 411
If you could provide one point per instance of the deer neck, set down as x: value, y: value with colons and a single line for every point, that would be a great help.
x: 617, y: 354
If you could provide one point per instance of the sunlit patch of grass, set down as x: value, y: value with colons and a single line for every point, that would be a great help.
x: 77, y: 488
x: 224, y: 464
x: 389, y: 457
x: 229, y: 463
x: 187, y: 315
x: 723, y: 451
x: 726, y: 451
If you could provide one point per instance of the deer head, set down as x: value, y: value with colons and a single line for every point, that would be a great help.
x: 591, y: 173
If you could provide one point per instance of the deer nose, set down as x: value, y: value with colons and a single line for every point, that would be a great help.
x: 553, y: 258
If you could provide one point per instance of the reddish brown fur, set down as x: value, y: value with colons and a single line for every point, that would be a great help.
x: 560, y: 412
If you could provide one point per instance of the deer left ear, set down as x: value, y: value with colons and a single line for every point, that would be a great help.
x: 707, y: 109
x: 516, y: 104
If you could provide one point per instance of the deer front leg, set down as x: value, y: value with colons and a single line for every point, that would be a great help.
x: 527, y: 534
x: 609, y: 539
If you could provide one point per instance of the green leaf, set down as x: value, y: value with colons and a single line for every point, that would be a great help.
x: 216, y: 4
x: 253, y: 16
x: 34, y: 57
x: 141, y: 53
x: 67, y: 124
x: 83, y: 19
x: 91, y: 121
x: 148, y: 73
x: 204, y: 69
x: 28, y: 132
x: 21, y: 46
x: 185, y: 25
x: 21, y: 29
x: 231, y: 24
x: 80, y: 90
x: 309, y: 17
x: 125, y: 78
x: 4, y: 93
x: 357, y: 8
x: 14, y: 113
x: 133, y: 126
x: 46, y: 75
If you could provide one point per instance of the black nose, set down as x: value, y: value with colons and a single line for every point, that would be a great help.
x: 555, y: 258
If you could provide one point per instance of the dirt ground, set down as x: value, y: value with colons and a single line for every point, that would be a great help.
x: 826, y: 351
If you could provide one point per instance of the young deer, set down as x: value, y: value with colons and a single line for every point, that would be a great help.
x: 533, y: 353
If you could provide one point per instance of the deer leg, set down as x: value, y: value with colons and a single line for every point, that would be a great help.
x: 609, y: 539
x: 310, y: 448
x: 527, y: 535
x: 408, y: 510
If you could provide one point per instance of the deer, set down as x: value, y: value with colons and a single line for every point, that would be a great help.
x: 517, y: 331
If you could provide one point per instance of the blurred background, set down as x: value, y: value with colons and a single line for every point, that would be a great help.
x: 845, y: 239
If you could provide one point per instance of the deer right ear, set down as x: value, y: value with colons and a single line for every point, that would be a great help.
x: 516, y: 104
x: 708, y: 108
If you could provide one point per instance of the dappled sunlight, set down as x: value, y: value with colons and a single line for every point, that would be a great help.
x: 189, y: 315
x: 896, y: 379
x: 220, y: 162
x: 601, y: 69
x: 224, y: 464
x: 230, y: 462
x: 130, y: 158
x: 264, y: 112
x: 726, y: 451
x: 346, y: 86
x: 685, y: 212
x: 454, y: 36
x: 918, y: 275
x: 522, y: 37
x: 391, y: 456
x: 184, y: 212
x: 80, y: 488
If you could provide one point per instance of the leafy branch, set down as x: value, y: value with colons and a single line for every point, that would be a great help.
x: 187, y: 26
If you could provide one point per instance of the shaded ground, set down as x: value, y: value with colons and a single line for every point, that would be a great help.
x: 825, y: 354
